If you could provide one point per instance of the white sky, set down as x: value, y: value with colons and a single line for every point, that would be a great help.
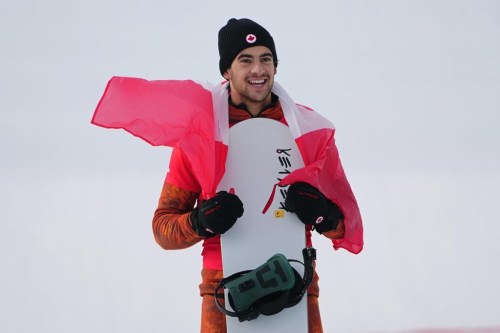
x: 412, y: 86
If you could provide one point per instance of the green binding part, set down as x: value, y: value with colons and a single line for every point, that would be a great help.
x: 273, y: 276
x: 268, y: 289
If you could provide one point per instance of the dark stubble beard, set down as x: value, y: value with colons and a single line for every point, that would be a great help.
x: 250, y: 99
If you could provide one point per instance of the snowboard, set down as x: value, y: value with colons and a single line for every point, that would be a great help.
x: 261, y: 152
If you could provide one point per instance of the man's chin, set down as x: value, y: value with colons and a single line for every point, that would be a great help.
x: 261, y: 97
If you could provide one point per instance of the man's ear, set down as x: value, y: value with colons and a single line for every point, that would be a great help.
x: 226, y: 75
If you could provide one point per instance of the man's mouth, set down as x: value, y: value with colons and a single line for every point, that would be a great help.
x: 257, y: 83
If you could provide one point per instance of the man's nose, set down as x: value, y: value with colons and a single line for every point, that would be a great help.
x: 257, y: 68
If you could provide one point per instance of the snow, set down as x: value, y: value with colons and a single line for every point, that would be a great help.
x: 411, y: 86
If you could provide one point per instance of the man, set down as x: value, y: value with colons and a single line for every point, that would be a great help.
x: 248, y: 61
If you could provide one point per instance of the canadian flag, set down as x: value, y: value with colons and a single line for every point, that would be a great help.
x: 185, y: 114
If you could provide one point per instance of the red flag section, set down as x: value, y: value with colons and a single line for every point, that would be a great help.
x: 186, y: 115
x: 167, y: 113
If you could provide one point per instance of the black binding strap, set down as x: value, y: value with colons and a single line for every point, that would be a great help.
x: 273, y: 303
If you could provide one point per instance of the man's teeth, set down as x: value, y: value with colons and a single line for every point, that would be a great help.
x: 256, y: 82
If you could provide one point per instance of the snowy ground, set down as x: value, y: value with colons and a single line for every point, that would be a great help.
x: 411, y: 86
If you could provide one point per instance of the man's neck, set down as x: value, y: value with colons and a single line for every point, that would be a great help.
x: 255, y: 109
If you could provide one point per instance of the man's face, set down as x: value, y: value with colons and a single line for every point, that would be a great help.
x: 251, y: 76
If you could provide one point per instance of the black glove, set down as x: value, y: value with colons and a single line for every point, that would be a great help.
x: 216, y: 215
x: 312, y: 207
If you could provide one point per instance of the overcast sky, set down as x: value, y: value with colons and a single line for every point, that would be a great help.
x: 413, y: 88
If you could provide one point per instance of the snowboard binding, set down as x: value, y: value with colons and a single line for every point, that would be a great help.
x: 268, y: 289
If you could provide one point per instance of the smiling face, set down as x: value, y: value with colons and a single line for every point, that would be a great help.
x: 251, y: 78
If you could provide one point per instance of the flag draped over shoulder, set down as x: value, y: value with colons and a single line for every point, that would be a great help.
x: 324, y: 171
x: 315, y: 138
x: 185, y: 114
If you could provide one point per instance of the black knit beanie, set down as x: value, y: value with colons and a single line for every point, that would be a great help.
x: 238, y: 35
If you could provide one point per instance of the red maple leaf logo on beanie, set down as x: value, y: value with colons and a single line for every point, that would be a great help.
x: 251, y: 38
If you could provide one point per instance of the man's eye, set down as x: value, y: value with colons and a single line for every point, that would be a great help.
x: 267, y: 59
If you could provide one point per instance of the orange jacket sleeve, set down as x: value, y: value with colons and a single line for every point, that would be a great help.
x: 171, y: 224
x: 337, y: 233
